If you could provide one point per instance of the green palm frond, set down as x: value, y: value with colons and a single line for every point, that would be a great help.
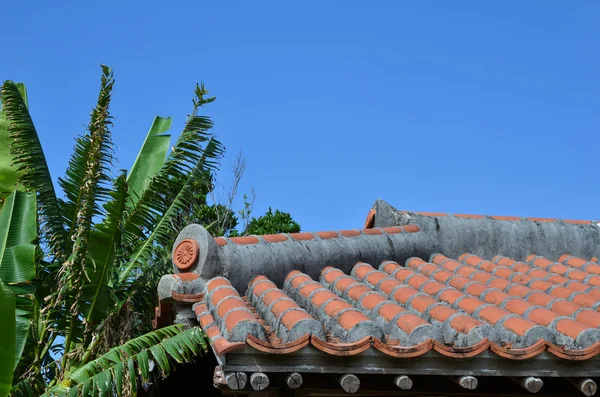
x: 18, y: 229
x: 94, y: 272
x: 121, y: 365
x: 72, y: 275
x: 162, y: 233
x: 88, y: 174
x: 142, y: 290
x: 150, y: 159
x: 93, y: 151
x: 105, y: 241
x: 72, y: 184
x: 196, y: 154
x: 8, y: 334
x: 184, y: 156
x: 8, y: 172
x: 32, y: 169
x: 23, y: 389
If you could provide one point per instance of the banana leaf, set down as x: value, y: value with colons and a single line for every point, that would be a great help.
x: 150, y: 159
x: 8, y: 338
x: 17, y: 259
x: 8, y: 173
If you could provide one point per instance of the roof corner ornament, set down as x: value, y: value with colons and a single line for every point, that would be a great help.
x: 186, y: 254
x: 195, y: 251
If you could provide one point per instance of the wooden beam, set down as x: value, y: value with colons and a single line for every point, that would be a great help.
x: 466, y: 382
x: 585, y: 385
x: 312, y: 360
x: 259, y: 381
x: 350, y: 383
x: 293, y: 380
x: 403, y: 382
x: 236, y: 380
x: 218, y: 377
x: 530, y: 383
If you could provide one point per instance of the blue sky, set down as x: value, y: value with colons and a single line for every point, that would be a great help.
x: 461, y: 107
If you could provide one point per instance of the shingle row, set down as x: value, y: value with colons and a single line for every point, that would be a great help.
x: 561, y: 330
x: 447, y: 303
x: 341, y: 319
x: 288, y: 320
x: 556, y: 297
x: 538, y: 273
x: 230, y: 311
x: 397, y: 323
x: 578, y: 263
x: 584, y: 273
x: 456, y: 328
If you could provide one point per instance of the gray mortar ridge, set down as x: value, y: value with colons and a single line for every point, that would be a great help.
x: 488, y: 237
x: 450, y: 235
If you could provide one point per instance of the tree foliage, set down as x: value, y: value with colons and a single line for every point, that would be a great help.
x: 272, y: 223
x: 105, y: 245
x: 78, y: 271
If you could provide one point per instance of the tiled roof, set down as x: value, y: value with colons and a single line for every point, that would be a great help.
x: 511, y: 294
x: 458, y: 308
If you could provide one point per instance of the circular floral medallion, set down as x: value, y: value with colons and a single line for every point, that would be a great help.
x: 186, y: 254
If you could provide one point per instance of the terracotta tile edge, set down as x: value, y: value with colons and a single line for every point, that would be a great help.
x: 191, y: 298
x: 342, y: 349
x: 403, y: 351
x: 277, y: 349
x: 462, y: 352
x: 575, y: 355
x: 188, y: 276
x: 370, y: 221
x: 519, y: 354
x: 222, y: 346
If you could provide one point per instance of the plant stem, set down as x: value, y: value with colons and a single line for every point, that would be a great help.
x: 47, y: 346
x: 88, y: 354
x: 68, y: 343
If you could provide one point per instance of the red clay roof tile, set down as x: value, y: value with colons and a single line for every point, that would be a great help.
x: 531, y: 307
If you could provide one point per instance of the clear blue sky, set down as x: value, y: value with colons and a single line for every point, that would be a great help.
x: 462, y: 106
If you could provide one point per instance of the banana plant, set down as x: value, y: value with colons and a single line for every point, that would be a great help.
x: 8, y: 176
x: 18, y: 230
x: 99, y: 243
x: 8, y: 334
x: 116, y: 369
